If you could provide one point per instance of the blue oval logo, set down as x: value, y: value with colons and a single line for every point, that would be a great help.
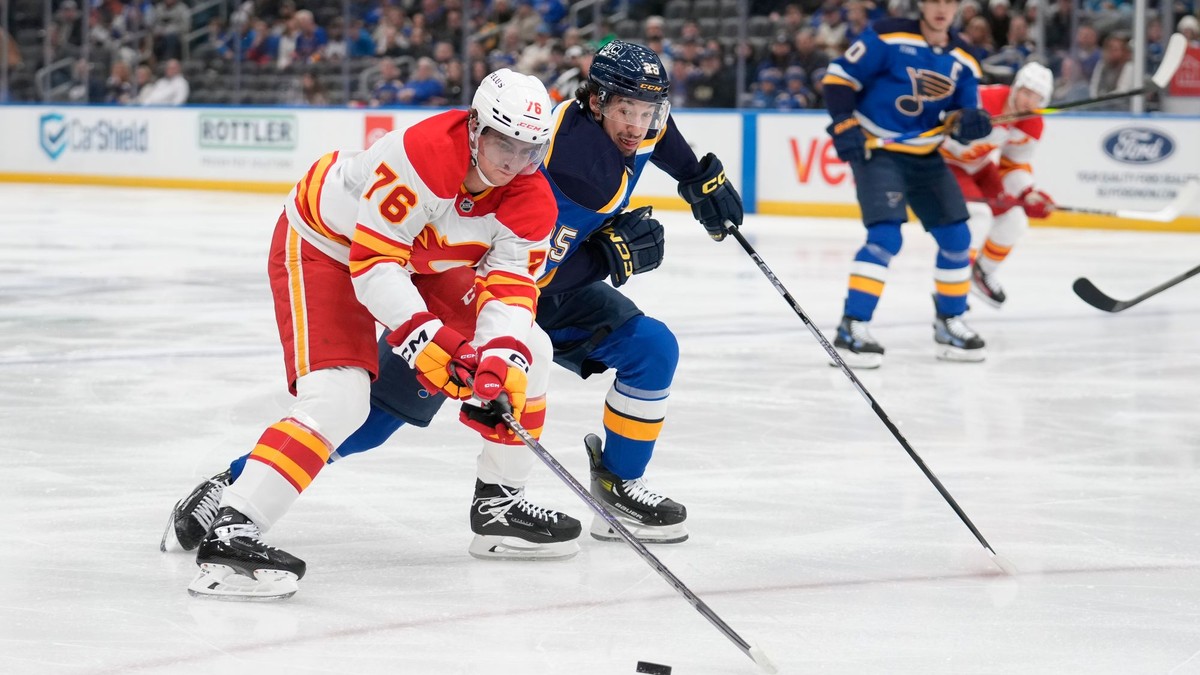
x: 1138, y: 145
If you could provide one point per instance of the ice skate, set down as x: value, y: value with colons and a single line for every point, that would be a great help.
x: 507, y: 527
x: 649, y: 516
x: 236, y: 565
x: 985, y: 286
x: 856, y: 346
x: 956, y: 341
x: 194, y: 514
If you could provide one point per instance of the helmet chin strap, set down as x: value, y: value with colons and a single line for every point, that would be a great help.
x: 482, y: 176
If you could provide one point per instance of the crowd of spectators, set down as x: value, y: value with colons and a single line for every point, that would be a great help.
x: 410, y: 52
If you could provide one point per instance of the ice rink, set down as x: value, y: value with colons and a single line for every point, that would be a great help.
x: 138, y: 354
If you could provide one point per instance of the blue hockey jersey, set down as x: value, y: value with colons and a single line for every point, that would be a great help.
x: 593, y: 181
x: 901, y: 83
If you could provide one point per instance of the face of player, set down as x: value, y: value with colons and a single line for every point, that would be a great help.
x: 938, y: 14
x: 1026, y: 100
x: 502, y: 158
x: 627, y: 121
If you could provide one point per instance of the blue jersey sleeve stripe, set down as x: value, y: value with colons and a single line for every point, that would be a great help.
x: 615, y: 202
x: 836, y: 74
x: 968, y: 60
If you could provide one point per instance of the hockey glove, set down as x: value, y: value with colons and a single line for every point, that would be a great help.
x: 713, y: 198
x: 1037, y: 204
x: 968, y: 124
x: 631, y: 242
x: 437, y: 353
x: 849, y: 141
x: 501, y: 380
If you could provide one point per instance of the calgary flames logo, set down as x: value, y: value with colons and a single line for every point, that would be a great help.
x: 431, y: 253
x: 928, y: 85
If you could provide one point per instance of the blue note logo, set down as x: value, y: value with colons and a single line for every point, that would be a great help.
x: 53, y: 134
x: 1138, y: 145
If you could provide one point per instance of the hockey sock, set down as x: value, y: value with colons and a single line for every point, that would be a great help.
x: 869, y: 272
x: 289, y: 454
x: 1004, y: 234
x: 644, y: 353
x: 952, y: 276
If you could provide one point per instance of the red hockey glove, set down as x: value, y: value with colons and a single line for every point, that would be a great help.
x: 441, y: 356
x: 503, y: 367
x: 1003, y: 202
x: 1037, y: 204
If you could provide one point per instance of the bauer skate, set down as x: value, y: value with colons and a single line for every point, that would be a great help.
x: 236, y: 565
x: 649, y: 516
x: 856, y: 346
x: 985, y: 287
x: 507, y: 527
x: 955, y: 341
x: 194, y: 514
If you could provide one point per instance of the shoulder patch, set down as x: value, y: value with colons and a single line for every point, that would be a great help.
x: 439, y: 151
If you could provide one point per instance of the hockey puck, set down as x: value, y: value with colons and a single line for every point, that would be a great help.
x: 653, y: 668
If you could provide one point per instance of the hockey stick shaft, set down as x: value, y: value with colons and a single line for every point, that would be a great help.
x: 1183, y: 199
x: 580, y: 491
x: 829, y: 349
x: 1093, y: 296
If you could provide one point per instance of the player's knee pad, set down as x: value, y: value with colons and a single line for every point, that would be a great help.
x: 884, y: 241
x: 333, y: 402
x: 953, y: 243
x: 644, y: 352
x: 1009, y: 227
x: 980, y: 222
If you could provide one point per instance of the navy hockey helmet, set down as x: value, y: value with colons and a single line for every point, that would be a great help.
x: 626, y: 70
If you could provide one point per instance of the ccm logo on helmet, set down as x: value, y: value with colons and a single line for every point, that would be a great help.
x: 650, y: 87
x: 527, y: 125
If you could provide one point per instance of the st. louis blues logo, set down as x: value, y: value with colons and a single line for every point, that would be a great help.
x: 52, y: 134
x: 928, y: 85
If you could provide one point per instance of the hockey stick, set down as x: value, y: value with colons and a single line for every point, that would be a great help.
x: 1001, y: 562
x: 755, y: 652
x: 1088, y: 292
x: 1172, y: 58
x: 1184, y: 198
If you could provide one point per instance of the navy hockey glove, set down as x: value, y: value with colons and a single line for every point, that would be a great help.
x: 631, y: 243
x: 969, y: 124
x: 849, y: 141
x: 714, y: 200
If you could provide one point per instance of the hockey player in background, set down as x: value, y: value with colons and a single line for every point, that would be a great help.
x: 618, y: 121
x: 399, y: 234
x: 905, y: 76
x: 999, y: 187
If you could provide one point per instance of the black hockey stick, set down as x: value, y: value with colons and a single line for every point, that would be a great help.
x: 1001, y: 562
x: 1088, y: 292
x: 753, y: 651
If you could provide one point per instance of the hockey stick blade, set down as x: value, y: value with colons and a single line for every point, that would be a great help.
x: 1172, y: 59
x: 1003, y: 563
x: 1093, y: 296
x: 754, y: 652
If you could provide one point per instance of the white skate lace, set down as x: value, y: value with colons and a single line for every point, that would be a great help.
x: 637, y: 491
x: 247, y: 530
x: 958, y: 328
x: 206, y: 511
x: 498, y: 506
x: 858, y: 331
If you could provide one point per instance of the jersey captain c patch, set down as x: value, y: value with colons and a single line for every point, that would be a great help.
x: 927, y: 85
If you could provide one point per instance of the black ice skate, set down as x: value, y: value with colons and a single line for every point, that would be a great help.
x: 507, y: 527
x: 649, y: 516
x: 985, y: 286
x: 956, y: 341
x: 236, y: 565
x: 194, y: 514
x: 856, y: 346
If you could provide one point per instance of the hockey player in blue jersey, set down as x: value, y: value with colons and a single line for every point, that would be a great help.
x: 603, y: 139
x: 904, y: 76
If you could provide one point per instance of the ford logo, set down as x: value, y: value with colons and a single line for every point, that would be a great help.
x: 1138, y: 146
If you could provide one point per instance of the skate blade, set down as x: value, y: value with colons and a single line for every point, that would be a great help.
x: 660, y: 534
x: 221, y: 582
x: 492, y: 547
x: 948, y: 353
x: 169, y: 541
x: 858, y: 361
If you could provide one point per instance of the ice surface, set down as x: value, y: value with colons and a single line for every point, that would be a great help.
x: 138, y: 355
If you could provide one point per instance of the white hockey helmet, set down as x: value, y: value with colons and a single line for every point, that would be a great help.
x: 1036, y: 78
x: 518, y: 107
